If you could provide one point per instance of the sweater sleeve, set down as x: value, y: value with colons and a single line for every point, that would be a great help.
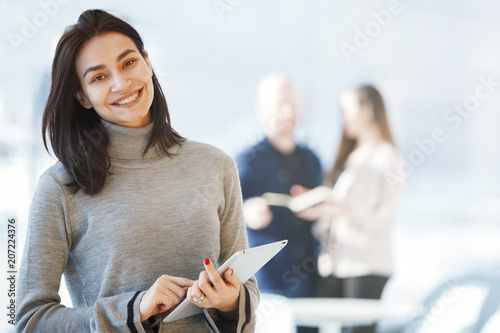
x: 233, y: 237
x: 45, y: 256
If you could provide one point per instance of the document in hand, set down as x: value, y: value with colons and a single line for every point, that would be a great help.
x: 300, y: 202
x: 244, y: 263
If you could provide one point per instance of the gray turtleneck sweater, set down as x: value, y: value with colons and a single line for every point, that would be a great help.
x: 155, y: 215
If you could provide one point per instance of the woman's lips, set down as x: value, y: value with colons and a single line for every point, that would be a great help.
x: 128, y: 100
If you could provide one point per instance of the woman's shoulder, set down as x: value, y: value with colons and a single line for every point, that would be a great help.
x: 53, y: 179
x: 202, y: 151
x: 386, y: 155
x: 57, y: 172
x: 191, y: 147
x: 204, y: 159
x: 387, y: 149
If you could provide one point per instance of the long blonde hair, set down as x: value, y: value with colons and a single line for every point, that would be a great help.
x: 370, y: 97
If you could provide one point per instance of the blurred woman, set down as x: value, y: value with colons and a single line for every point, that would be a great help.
x: 354, y: 227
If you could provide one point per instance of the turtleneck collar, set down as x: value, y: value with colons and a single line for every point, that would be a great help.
x: 127, y: 144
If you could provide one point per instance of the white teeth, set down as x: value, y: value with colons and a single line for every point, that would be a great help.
x: 128, y: 100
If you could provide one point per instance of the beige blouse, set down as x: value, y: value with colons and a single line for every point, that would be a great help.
x: 357, y: 241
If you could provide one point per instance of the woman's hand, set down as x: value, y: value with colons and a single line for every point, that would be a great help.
x: 213, y: 291
x: 313, y: 213
x: 165, y: 293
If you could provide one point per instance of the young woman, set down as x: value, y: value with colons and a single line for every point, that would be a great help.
x: 355, y: 230
x: 135, y: 216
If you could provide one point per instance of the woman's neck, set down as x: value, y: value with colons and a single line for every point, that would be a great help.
x: 371, y: 134
x: 127, y: 144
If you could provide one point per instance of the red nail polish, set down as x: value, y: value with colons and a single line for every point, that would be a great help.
x: 207, y: 261
x: 232, y: 272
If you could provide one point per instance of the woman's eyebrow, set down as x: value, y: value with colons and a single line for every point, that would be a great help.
x: 124, y: 54
x: 93, y: 68
x: 98, y: 67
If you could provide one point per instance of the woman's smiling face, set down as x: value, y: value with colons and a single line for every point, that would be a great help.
x: 116, y: 80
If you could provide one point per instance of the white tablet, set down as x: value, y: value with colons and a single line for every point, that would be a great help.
x: 245, y: 264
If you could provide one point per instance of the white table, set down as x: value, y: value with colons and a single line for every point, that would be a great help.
x: 329, y: 314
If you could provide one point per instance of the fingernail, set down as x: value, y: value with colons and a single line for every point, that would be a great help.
x: 232, y: 272
x: 207, y: 261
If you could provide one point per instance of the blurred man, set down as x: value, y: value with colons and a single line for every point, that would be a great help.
x: 275, y: 164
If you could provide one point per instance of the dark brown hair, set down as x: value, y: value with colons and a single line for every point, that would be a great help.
x: 368, y: 97
x: 76, y: 135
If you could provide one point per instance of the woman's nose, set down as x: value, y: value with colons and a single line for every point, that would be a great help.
x: 120, y: 83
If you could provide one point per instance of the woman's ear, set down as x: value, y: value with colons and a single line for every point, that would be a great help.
x: 146, y: 57
x: 80, y: 97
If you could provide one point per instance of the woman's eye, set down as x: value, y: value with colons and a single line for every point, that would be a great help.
x: 98, y: 78
x: 128, y: 63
